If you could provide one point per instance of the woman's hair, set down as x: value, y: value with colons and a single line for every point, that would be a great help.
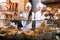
x: 30, y: 13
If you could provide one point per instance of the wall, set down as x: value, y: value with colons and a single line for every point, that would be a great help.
x: 34, y: 2
x: 21, y: 5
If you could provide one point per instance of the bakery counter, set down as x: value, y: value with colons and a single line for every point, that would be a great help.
x: 33, y: 34
x: 11, y: 32
x: 39, y: 36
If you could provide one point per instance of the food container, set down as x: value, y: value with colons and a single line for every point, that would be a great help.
x: 39, y: 37
x: 47, y: 35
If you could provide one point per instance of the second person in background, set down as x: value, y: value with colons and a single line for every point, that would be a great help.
x: 38, y: 15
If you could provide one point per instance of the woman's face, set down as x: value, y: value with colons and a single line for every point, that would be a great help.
x: 28, y: 8
x: 40, y: 8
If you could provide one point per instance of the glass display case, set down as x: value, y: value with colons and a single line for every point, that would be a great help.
x: 10, y: 29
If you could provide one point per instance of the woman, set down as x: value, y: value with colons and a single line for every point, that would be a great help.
x: 38, y: 14
x: 27, y: 16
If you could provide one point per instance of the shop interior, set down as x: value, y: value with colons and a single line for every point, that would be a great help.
x: 11, y: 27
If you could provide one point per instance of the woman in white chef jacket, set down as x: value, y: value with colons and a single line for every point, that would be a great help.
x: 27, y: 15
x: 38, y: 14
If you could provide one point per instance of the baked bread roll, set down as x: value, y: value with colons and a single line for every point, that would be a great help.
x: 3, y: 24
x: 48, y: 8
x: 49, y: 29
x: 11, y: 31
x: 29, y: 33
x: 43, y: 25
x: 15, y: 6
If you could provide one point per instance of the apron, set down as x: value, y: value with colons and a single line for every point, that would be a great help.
x: 25, y: 19
x: 38, y: 18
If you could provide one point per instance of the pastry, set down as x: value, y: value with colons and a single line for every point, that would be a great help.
x: 11, y: 31
x: 48, y: 8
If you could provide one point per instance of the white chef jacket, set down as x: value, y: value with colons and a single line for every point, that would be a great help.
x: 38, y: 15
x: 29, y: 26
x: 38, y: 18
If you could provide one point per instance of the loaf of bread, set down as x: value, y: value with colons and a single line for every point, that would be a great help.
x: 11, y: 31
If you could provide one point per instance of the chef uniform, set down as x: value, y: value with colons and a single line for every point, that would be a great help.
x: 38, y: 14
x: 25, y: 19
